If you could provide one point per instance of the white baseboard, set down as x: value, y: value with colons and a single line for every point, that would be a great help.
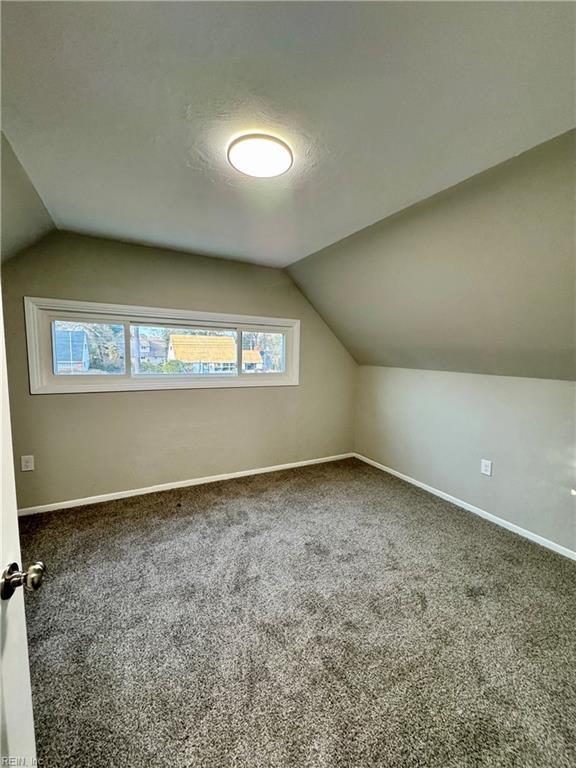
x: 292, y: 465
x: 177, y: 484
x: 471, y: 508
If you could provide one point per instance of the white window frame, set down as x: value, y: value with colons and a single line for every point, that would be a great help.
x: 40, y: 312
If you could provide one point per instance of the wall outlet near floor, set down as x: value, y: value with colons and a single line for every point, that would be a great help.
x: 486, y: 467
x: 27, y: 463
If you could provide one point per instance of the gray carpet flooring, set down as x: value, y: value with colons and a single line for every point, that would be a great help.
x: 323, y: 617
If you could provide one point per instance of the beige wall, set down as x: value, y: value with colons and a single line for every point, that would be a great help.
x: 479, y: 278
x: 88, y: 444
x: 24, y: 216
x: 436, y: 426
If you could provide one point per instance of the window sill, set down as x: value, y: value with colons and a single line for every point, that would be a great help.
x: 133, y: 385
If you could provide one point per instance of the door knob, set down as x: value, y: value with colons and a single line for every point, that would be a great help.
x: 12, y: 577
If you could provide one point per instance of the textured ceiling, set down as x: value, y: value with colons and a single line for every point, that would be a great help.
x: 120, y: 112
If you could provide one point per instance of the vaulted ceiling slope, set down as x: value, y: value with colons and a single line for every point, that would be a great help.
x: 480, y: 278
x: 24, y: 216
x: 121, y: 112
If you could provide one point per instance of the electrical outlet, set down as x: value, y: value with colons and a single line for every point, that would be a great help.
x: 486, y: 467
x: 27, y: 463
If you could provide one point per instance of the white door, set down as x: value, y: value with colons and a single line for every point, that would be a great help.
x: 16, y: 720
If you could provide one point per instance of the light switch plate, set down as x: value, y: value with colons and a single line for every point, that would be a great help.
x: 486, y: 467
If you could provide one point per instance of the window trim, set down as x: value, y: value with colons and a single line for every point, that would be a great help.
x: 39, y: 313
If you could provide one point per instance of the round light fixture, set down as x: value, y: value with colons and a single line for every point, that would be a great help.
x: 257, y: 154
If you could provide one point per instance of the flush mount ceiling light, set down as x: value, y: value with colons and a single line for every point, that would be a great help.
x: 257, y: 154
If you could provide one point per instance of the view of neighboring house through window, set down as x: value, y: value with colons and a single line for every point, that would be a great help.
x: 87, y: 348
x: 184, y: 350
x: 262, y: 352
x: 203, y: 351
x: 82, y: 346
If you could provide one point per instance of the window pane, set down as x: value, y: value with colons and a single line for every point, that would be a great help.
x: 263, y: 352
x: 87, y: 348
x: 158, y: 349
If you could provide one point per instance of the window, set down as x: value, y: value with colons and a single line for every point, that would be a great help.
x: 262, y: 351
x: 76, y: 346
x: 176, y: 351
x: 87, y: 348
